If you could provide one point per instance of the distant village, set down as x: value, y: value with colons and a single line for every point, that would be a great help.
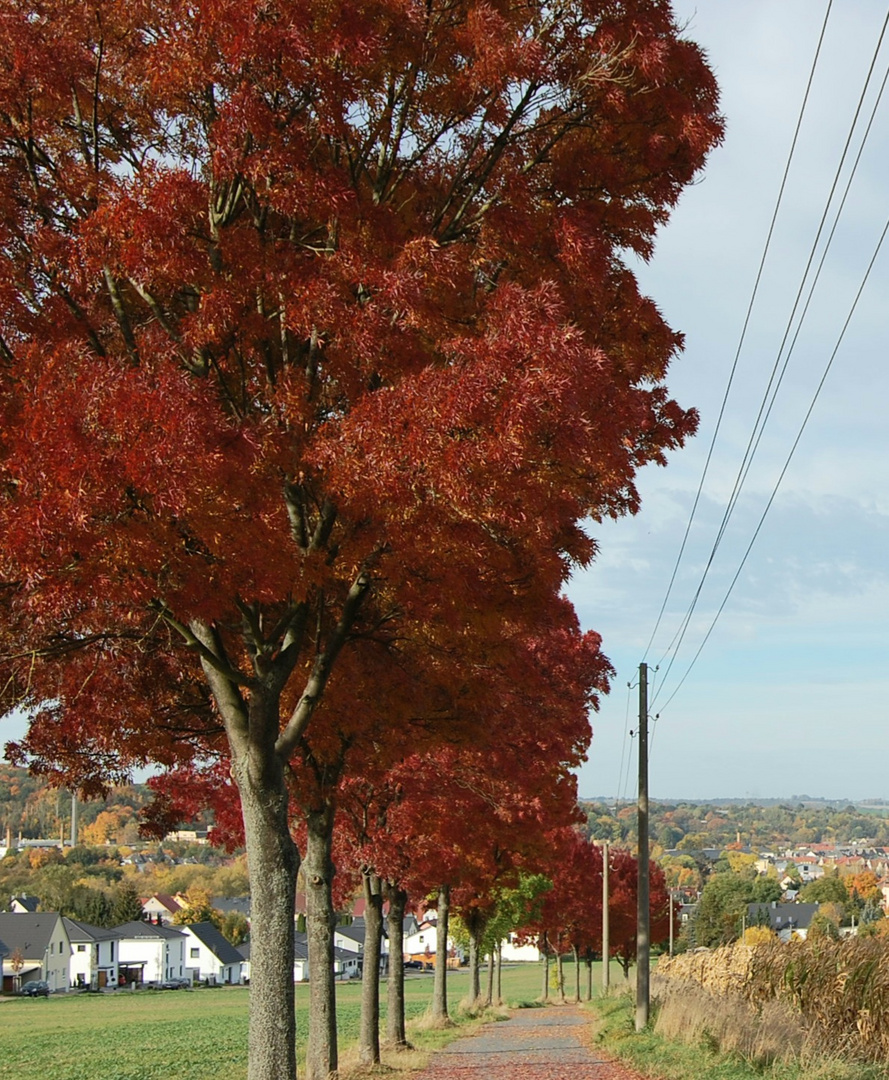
x: 155, y: 947
x: 153, y: 952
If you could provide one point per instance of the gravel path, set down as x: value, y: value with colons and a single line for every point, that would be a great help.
x: 535, y: 1044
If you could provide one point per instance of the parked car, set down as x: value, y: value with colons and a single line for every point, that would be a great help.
x: 35, y: 988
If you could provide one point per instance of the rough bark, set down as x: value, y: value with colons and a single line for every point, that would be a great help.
x: 489, y: 996
x: 273, y: 864
x: 576, y: 974
x: 395, y: 1033
x: 498, y: 973
x: 560, y: 968
x: 588, y: 960
x: 545, y: 950
x: 476, y: 927
x: 369, y: 1033
x: 321, y: 1052
x: 440, y: 985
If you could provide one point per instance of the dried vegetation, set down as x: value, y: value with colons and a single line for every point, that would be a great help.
x: 772, y: 1002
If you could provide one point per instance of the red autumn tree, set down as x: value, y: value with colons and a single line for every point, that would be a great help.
x: 622, y: 906
x: 315, y: 342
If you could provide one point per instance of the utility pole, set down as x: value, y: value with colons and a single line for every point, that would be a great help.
x: 670, y: 909
x: 606, y: 944
x: 643, y: 936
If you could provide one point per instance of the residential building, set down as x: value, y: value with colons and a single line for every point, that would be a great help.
x: 161, y: 907
x: 209, y: 957
x: 149, y: 953
x: 25, y: 905
x: 95, y: 952
x: 784, y: 919
x: 37, y: 947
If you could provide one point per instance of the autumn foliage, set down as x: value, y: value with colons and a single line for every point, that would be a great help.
x: 317, y: 348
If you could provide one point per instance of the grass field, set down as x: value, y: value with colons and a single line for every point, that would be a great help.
x: 198, y: 1035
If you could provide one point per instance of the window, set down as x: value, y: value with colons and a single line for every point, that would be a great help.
x: 81, y: 948
x: 195, y: 953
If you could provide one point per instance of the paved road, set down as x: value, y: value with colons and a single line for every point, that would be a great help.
x: 535, y: 1044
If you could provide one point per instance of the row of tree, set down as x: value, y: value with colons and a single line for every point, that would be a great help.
x: 317, y: 350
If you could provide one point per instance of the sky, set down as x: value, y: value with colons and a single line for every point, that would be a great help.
x: 789, y: 694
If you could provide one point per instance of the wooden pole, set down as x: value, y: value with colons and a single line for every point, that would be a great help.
x: 643, y: 938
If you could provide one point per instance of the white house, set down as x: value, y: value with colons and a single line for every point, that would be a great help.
x: 422, y: 942
x: 25, y: 905
x: 345, y: 964
x: 300, y: 959
x: 94, y: 955
x: 209, y: 957
x: 37, y: 947
x: 161, y: 908
x: 150, y: 953
x: 510, y: 950
x: 350, y: 941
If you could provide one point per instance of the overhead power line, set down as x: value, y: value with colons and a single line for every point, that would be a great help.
x: 775, y: 379
x: 796, y: 442
x: 744, y: 328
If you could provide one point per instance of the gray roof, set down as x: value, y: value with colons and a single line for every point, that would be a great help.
x: 300, y: 949
x: 29, y: 903
x: 356, y: 932
x: 30, y: 934
x: 81, y: 931
x: 137, y: 929
x: 222, y: 949
x: 232, y: 903
x: 782, y: 916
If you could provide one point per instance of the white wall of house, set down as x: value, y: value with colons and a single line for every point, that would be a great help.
x: 509, y: 950
x: 94, y: 963
x: 204, y: 964
x: 422, y: 940
x: 57, y: 958
x: 83, y: 962
x: 160, y: 958
x: 300, y: 970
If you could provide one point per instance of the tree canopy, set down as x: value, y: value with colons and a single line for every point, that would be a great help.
x: 317, y: 349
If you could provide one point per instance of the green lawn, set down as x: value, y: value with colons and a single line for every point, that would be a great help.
x: 177, y: 1034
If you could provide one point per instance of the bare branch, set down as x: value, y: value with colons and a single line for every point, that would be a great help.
x: 323, y: 665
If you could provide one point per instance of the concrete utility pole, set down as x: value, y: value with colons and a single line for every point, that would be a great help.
x: 643, y: 937
x: 606, y: 944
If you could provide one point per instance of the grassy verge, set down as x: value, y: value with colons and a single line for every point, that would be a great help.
x: 670, y: 1059
x: 202, y: 1035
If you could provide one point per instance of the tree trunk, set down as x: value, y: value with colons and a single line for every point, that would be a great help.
x: 273, y: 863
x: 588, y: 960
x: 321, y: 1052
x: 498, y: 986
x: 489, y: 997
x: 545, y: 944
x: 369, y: 1035
x: 560, y: 968
x: 476, y: 927
x: 440, y: 985
x: 576, y: 974
x: 395, y: 1033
